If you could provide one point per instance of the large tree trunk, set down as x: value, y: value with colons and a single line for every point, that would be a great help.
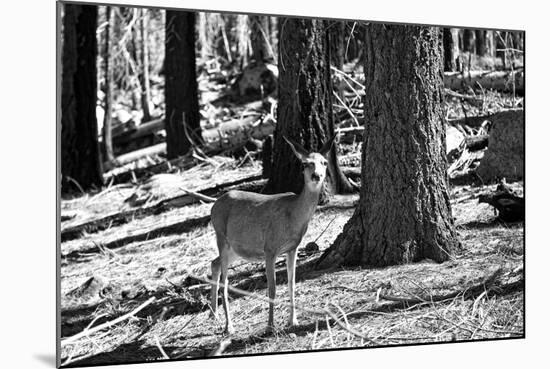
x: 182, y: 106
x: 451, y: 52
x: 259, y: 38
x: 305, y: 105
x: 404, y: 212
x: 144, y: 75
x: 79, y: 147
x: 109, y: 61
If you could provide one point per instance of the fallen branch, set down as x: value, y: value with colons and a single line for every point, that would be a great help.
x: 122, y: 318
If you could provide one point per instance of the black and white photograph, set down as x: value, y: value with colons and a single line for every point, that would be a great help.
x: 240, y: 184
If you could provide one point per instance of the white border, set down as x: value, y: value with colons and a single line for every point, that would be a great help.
x: 28, y: 181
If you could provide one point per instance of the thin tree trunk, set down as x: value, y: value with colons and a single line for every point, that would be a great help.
x: 182, y: 107
x: 481, y: 42
x: 336, y: 31
x: 305, y: 105
x: 107, y: 118
x: 145, y: 85
x: 79, y: 146
x: 451, y: 51
x: 404, y: 212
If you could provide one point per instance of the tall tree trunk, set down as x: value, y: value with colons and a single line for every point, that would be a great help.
x: 404, y: 212
x: 144, y: 75
x: 305, y: 105
x: 481, y: 42
x: 469, y: 40
x: 337, y: 32
x: 274, y: 35
x: 109, y: 60
x: 259, y: 38
x: 79, y: 145
x: 182, y: 106
x: 451, y: 53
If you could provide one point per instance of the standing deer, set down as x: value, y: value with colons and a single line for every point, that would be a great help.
x: 261, y: 227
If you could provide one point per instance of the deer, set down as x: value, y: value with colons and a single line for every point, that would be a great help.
x: 258, y: 227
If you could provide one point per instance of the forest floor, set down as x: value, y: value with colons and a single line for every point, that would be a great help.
x: 109, y: 271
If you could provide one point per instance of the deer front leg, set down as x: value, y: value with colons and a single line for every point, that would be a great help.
x: 216, y: 271
x: 224, y: 266
x: 291, y: 271
x: 270, y: 272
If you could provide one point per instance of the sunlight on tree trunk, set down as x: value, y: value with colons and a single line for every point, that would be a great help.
x: 404, y: 213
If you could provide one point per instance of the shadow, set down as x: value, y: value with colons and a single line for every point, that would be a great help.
x: 496, y: 222
x: 176, y: 228
x: 169, y: 302
x: 48, y: 359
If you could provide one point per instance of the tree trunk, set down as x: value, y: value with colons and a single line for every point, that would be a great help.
x: 482, y: 44
x: 404, y: 212
x: 108, y: 116
x: 259, y: 38
x: 182, y: 107
x: 469, y: 40
x: 144, y: 75
x: 450, y: 49
x: 336, y: 32
x: 305, y: 106
x: 274, y: 35
x: 79, y: 147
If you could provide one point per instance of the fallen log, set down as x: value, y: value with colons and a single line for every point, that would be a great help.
x: 142, y: 130
x: 511, y: 81
x: 116, y: 219
x: 236, y: 132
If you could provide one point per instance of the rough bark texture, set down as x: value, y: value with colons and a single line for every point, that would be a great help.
x: 450, y: 49
x: 404, y: 213
x: 304, y: 109
x: 259, y: 38
x: 79, y: 145
x: 107, y: 118
x: 182, y: 107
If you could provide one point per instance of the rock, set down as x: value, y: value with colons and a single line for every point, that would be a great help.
x: 505, y: 154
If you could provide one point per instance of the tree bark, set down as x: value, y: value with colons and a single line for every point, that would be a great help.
x: 144, y: 75
x: 451, y: 52
x: 336, y: 32
x: 404, y: 212
x: 107, y: 118
x: 79, y: 146
x: 182, y: 107
x: 481, y: 42
x: 469, y: 40
x: 259, y: 38
x: 305, y: 106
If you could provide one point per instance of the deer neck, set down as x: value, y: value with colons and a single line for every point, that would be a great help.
x: 306, y: 203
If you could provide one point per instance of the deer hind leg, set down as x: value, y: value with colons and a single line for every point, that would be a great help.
x: 270, y: 273
x: 224, y: 257
x: 291, y: 271
x: 216, y: 271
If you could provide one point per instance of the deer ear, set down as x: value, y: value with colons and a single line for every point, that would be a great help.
x: 298, y: 150
x: 326, y: 147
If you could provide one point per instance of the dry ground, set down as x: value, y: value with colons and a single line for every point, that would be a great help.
x: 104, y: 275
